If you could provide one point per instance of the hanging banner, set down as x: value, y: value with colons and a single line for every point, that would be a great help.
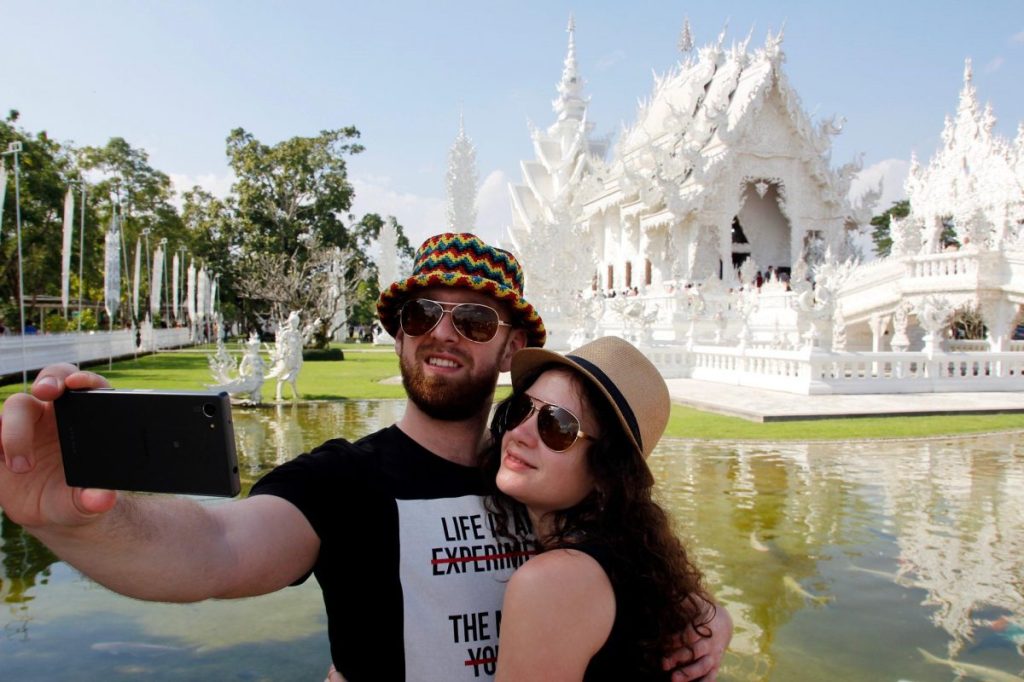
x: 135, y: 285
x: 158, y: 279
x: 65, y: 260
x: 202, y: 295
x: 213, y: 294
x: 112, y: 269
x: 190, y: 294
x: 174, y: 286
x: 3, y: 190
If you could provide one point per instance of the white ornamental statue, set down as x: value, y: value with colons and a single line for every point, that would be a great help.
x: 248, y: 383
x: 286, y: 357
x: 222, y: 364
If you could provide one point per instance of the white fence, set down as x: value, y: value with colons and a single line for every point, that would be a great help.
x: 40, y: 350
x: 814, y: 372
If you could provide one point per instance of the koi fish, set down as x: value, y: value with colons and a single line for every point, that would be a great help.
x: 134, y: 648
x: 902, y: 581
x: 757, y: 544
x: 978, y: 672
x: 1005, y: 628
x: 795, y: 587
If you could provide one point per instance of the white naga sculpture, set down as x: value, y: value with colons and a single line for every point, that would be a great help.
x: 286, y: 356
x: 248, y: 382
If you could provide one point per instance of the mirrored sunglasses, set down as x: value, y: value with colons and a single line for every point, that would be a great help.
x: 474, y: 321
x: 557, y: 427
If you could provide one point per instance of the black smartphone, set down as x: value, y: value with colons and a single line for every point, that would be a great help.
x: 148, y: 441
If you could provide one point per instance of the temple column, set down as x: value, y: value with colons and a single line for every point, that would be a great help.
x: 999, y: 315
x: 878, y: 324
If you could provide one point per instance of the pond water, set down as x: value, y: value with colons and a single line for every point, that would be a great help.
x: 842, y: 561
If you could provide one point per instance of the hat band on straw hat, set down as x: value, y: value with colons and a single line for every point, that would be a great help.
x: 620, y: 400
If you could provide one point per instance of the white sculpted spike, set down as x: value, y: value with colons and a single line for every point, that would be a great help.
x: 460, y: 181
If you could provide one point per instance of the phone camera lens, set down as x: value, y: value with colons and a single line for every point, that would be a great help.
x: 209, y: 409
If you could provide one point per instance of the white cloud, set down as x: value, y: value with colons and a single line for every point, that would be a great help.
x: 892, y: 173
x: 494, y: 210
x: 424, y: 216
x: 217, y: 185
x: 609, y: 60
x: 1018, y: 37
x: 994, y: 65
x: 419, y: 216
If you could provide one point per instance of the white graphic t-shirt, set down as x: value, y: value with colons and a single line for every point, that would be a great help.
x: 411, y: 568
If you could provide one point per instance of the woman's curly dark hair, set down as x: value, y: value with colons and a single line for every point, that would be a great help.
x: 621, y: 514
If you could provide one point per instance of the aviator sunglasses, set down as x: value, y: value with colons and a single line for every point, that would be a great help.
x: 557, y: 427
x: 474, y: 321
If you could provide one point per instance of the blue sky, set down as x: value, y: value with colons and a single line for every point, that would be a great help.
x: 175, y: 77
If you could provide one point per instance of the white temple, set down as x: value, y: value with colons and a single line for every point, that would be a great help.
x: 723, y: 236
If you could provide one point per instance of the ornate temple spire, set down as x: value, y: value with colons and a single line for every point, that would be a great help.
x: 968, y: 95
x: 570, y: 103
x: 460, y: 183
x: 686, y: 38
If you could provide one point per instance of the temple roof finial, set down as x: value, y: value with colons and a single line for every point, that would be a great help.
x: 686, y: 37
x: 570, y: 102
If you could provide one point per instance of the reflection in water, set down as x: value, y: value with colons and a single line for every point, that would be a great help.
x: 823, y: 549
x: 23, y: 561
x: 896, y: 560
x: 270, y: 435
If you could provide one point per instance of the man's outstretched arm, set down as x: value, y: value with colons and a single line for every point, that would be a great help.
x: 146, y: 546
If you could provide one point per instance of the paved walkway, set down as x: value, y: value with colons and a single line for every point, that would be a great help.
x: 763, y: 406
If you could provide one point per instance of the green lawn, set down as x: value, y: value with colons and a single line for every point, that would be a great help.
x: 365, y: 367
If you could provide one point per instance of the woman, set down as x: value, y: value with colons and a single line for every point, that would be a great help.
x: 611, y: 584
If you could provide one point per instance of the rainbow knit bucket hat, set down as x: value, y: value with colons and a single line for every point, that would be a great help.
x: 464, y: 260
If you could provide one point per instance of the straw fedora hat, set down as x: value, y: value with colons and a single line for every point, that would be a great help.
x: 629, y: 381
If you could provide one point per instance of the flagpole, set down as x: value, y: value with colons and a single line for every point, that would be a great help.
x: 164, y: 317
x: 81, y: 257
x: 149, y: 270
x: 14, y: 148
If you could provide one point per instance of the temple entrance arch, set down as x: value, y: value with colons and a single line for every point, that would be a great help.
x: 763, y: 224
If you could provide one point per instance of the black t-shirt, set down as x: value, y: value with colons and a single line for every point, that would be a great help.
x: 621, y: 658
x: 411, y: 570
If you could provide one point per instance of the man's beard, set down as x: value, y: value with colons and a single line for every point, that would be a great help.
x: 447, y: 399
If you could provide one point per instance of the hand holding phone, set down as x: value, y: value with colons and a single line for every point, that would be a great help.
x: 148, y: 441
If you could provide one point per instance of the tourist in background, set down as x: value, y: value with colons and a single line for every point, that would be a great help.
x: 613, y: 584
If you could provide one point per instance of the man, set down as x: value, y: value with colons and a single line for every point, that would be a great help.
x: 392, y: 525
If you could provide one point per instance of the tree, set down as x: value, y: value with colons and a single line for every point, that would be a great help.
x: 880, y: 235
x: 211, y: 236
x: 144, y: 195
x: 322, y: 284
x: 46, y: 169
x: 291, y: 198
x: 901, y: 209
x: 296, y: 187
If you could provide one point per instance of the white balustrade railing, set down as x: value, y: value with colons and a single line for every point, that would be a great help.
x: 944, y: 264
x: 813, y: 372
x: 40, y: 350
